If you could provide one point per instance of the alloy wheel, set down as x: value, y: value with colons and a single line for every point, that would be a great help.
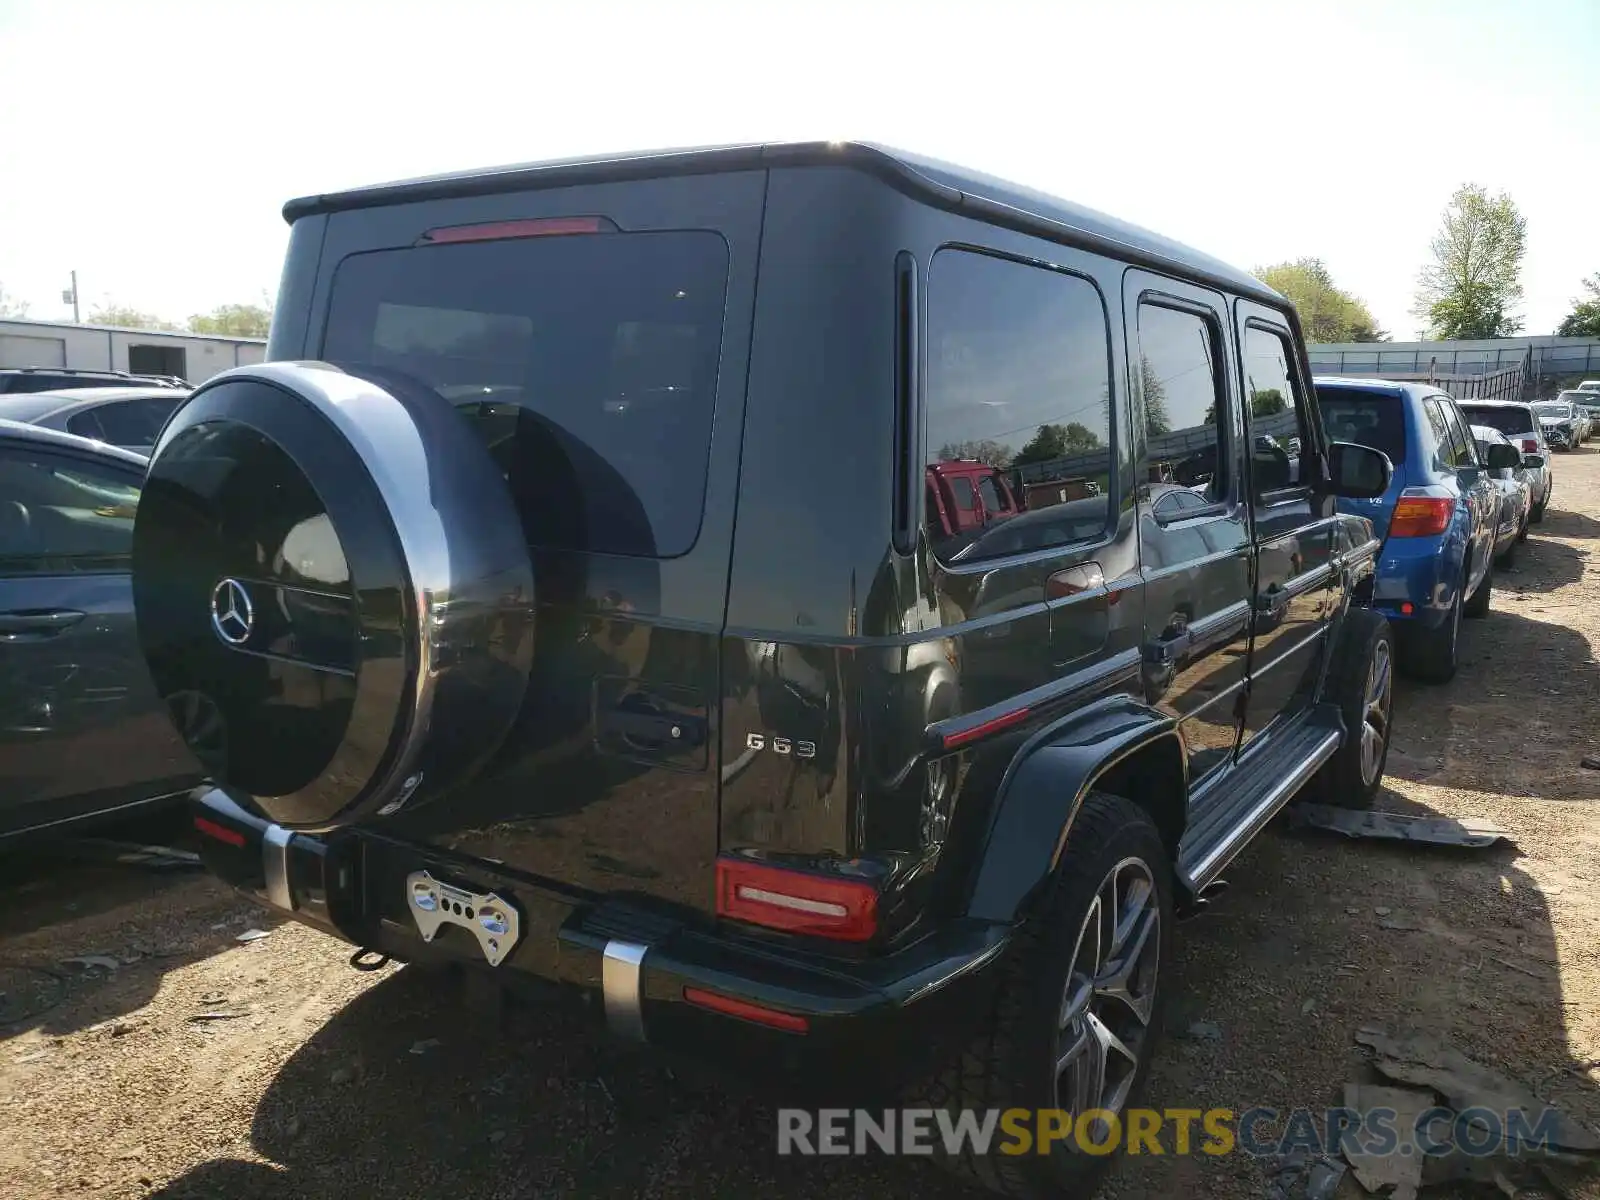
x: 1109, y: 998
x: 1375, y: 711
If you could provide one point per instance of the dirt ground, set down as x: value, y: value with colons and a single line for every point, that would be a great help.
x: 318, y: 1080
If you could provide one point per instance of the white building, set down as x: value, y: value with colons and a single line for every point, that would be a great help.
x: 191, y: 356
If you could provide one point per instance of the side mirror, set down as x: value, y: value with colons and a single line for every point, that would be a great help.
x: 1502, y: 457
x: 1359, y: 472
x: 1533, y: 461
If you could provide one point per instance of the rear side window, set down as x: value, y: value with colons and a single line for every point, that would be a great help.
x: 125, y: 422
x: 1274, y: 417
x: 1506, y: 420
x: 1365, y: 419
x: 1018, y: 375
x: 1461, y: 451
x: 1180, y: 382
x: 588, y: 364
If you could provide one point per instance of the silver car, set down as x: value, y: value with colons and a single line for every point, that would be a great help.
x: 1515, y: 486
x: 1584, y: 408
x: 1525, y: 430
x: 1562, y: 422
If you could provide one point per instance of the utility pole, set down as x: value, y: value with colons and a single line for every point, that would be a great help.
x: 73, y: 296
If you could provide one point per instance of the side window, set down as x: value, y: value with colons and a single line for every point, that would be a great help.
x: 991, y: 496
x: 1444, y: 453
x: 1460, y: 440
x: 1273, y: 396
x: 1018, y: 375
x: 61, y: 514
x: 1453, y: 451
x: 1180, y: 382
x: 124, y: 423
x: 962, y: 487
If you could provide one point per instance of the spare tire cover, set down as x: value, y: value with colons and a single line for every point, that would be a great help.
x: 328, y: 566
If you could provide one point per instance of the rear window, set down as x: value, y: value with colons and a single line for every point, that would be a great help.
x: 587, y: 363
x: 1367, y: 420
x: 124, y: 422
x: 1506, y: 420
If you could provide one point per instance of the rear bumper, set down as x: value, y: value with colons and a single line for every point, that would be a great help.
x: 858, y: 1025
x: 1416, y: 580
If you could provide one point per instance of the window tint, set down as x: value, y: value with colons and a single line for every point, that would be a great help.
x: 588, y: 365
x: 1018, y: 376
x: 963, y: 492
x: 991, y: 495
x: 1365, y: 419
x: 1510, y: 420
x: 1436, y: 421
x: 1274, y: 417
x: 1460, y: 445
x: 1179, y: 381
x: 61, y: 514
x: 124, y: 422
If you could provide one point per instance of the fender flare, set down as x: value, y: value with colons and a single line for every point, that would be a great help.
x: 1044, y: 788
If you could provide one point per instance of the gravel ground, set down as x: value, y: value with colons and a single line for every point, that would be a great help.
x: 316, y: 1079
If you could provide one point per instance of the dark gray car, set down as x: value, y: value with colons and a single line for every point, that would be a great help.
x: 82, y: 732
x: 129, y: 418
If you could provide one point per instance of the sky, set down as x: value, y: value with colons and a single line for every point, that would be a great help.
x: 150, y: 146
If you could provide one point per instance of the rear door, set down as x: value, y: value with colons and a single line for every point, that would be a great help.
x: 1479, y: 490
x: 81, y: 727
x: 1194, y: 540
x: 597, y: 337
x: 1293, y: 530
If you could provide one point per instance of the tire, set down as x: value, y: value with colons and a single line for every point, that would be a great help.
x: 1478, y: 603
x: 1013, y: 1064
x: 1361, y: 683
x: 1536, y: 515
x: 1522, y: 533
x: 1510, y: 555
x: 1432, y: 655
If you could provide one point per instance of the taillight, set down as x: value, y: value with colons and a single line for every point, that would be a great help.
x: 495, y: 231
x: 1421, y: 516
x: 845, y: 910
x: 1529, y: 445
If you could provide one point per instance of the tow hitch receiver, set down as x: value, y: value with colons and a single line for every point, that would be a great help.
x: 486, y: 916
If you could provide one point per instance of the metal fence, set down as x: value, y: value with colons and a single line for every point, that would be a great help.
x: 1457, y: 366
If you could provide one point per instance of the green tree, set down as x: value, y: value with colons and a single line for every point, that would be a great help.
x: 1156, y: 419
x: 10, y: 306
x: 112, y: 313
x: 1268, y: 402
x: 1473, y: 284
x: 1584, y: 319
x: 986, y: 450
x: 234, y: 320
x: 1057, y: 441
x: 1327, y: 313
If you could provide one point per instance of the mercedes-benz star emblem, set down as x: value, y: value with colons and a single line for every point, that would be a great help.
x: 232, y: 614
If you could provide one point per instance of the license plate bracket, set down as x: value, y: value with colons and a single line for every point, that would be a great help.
x: 489, y: 917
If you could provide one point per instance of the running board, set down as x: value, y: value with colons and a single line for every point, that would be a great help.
x: 1254, y: 792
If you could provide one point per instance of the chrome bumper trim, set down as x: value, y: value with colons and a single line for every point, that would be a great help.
x: 620, y: 986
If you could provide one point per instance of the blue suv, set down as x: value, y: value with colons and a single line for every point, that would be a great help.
x: 1437, y: 520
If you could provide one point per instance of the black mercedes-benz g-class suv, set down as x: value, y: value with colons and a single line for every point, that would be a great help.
x: 563, y: 589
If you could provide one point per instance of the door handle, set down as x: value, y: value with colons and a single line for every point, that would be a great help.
x: 1169, y: 648
x: 1273, y: 602
x: 36, y: 622
x: 654, y: 728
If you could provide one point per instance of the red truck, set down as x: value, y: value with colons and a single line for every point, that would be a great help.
x: 964, y: 496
